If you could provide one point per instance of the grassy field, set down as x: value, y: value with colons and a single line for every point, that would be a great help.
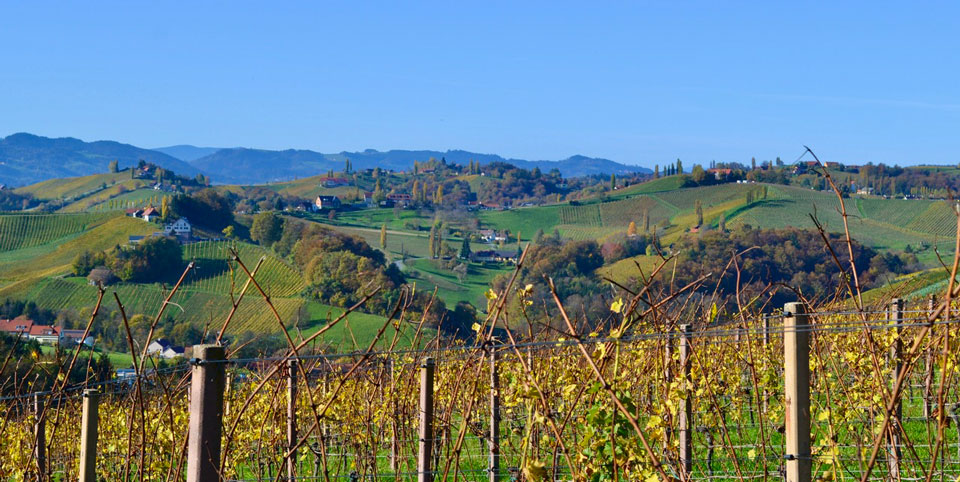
x: 449, y: 288
x: 356, y: 331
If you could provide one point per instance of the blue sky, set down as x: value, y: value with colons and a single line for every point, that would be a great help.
x: 637, y: 82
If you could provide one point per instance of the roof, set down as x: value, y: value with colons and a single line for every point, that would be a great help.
x: 42, y: 330
x: 16, y: 325
x: 326, y: 198
x: 149, y: 212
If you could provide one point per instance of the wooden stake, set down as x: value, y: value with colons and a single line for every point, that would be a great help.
x: 425, y: 454
x: 206, y: 413
x: 896, y: 349
x: 685, y: 435
x: 88, y: 436
x: 494, y: 442
x: 40, y: 435
x: 796, y: 363
x: 292, y: 366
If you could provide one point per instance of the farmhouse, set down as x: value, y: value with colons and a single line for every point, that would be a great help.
x: 150, y: 214
x: 18, y: 325
x: 165, y: 349
x: 400, y: 199
x: 44, y: 334
x: 180, y: 228
x: 326, y: 202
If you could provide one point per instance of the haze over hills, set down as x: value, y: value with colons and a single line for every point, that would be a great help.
x: 27, y: 158
x: 186, y: 152
x: 247, y: 166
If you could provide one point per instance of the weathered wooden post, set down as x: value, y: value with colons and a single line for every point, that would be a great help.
x: 928, y: 379
x: 207, y: 381
x: 765, y: 326
x: 896, y: 349
x: 40, y: 437
x: 494, y: 442
x: 685, y: 435
x: 425, y: 454
x: 88, y: 436
x: 796, y: 365
x: 292, y: 367
x: 667, y: 378
x: 394, y: 426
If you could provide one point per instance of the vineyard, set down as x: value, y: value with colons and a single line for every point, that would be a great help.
x: 213, y: 273
x: 646, y: 393
x: 27, y: 230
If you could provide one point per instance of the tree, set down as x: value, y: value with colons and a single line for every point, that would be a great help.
x: 229, y: 232
x: 613, y: 182
x: 679, y: 167
x: 656, y: 171
x: 753, y: 163
x: 699, y: 209
x: 632, y: 229
x: 646, y: 220
x: 114, y: 167
x: 438, y: 198
x: 165, y: 208
x: 723, y: 222
x: 698, y: 174
x: 383, y: 236
x: 465, y: 248
x: 266, y: 229
x: 433, y: 241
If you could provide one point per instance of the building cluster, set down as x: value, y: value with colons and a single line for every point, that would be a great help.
x: 28, y: 329
x: 180, y: 229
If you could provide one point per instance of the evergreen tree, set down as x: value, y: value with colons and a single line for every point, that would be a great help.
x: 465, y: 247
x: 699, y: 210
x: 613, y: 182
x: 646, y: 220
x: 383, y: 236
x: 679, y: 167
x: 656, y: 171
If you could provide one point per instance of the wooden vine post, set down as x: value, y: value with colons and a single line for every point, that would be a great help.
x: 425, y: 452
x: 494, y: 442
x: 896, y: 353
x: 207, y: 383
x: 292, y: 367
x: 40, y: 438
x: 796, y: 364
x: 928, y: 368
x: 88, y: 436
x: 685, y: 432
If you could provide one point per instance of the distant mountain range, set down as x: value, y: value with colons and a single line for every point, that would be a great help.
x: 27, y: 158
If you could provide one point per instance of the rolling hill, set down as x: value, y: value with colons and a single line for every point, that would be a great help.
x: 256, y: 166
x: 27, y: 158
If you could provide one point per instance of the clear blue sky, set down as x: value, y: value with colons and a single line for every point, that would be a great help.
x: 636, y: 82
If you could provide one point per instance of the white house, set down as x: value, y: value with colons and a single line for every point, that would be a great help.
x: 173, y: 352
x: 157, y: 347
x: 150, y: 214
x: 180, y: 228
x: 326, y: 202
